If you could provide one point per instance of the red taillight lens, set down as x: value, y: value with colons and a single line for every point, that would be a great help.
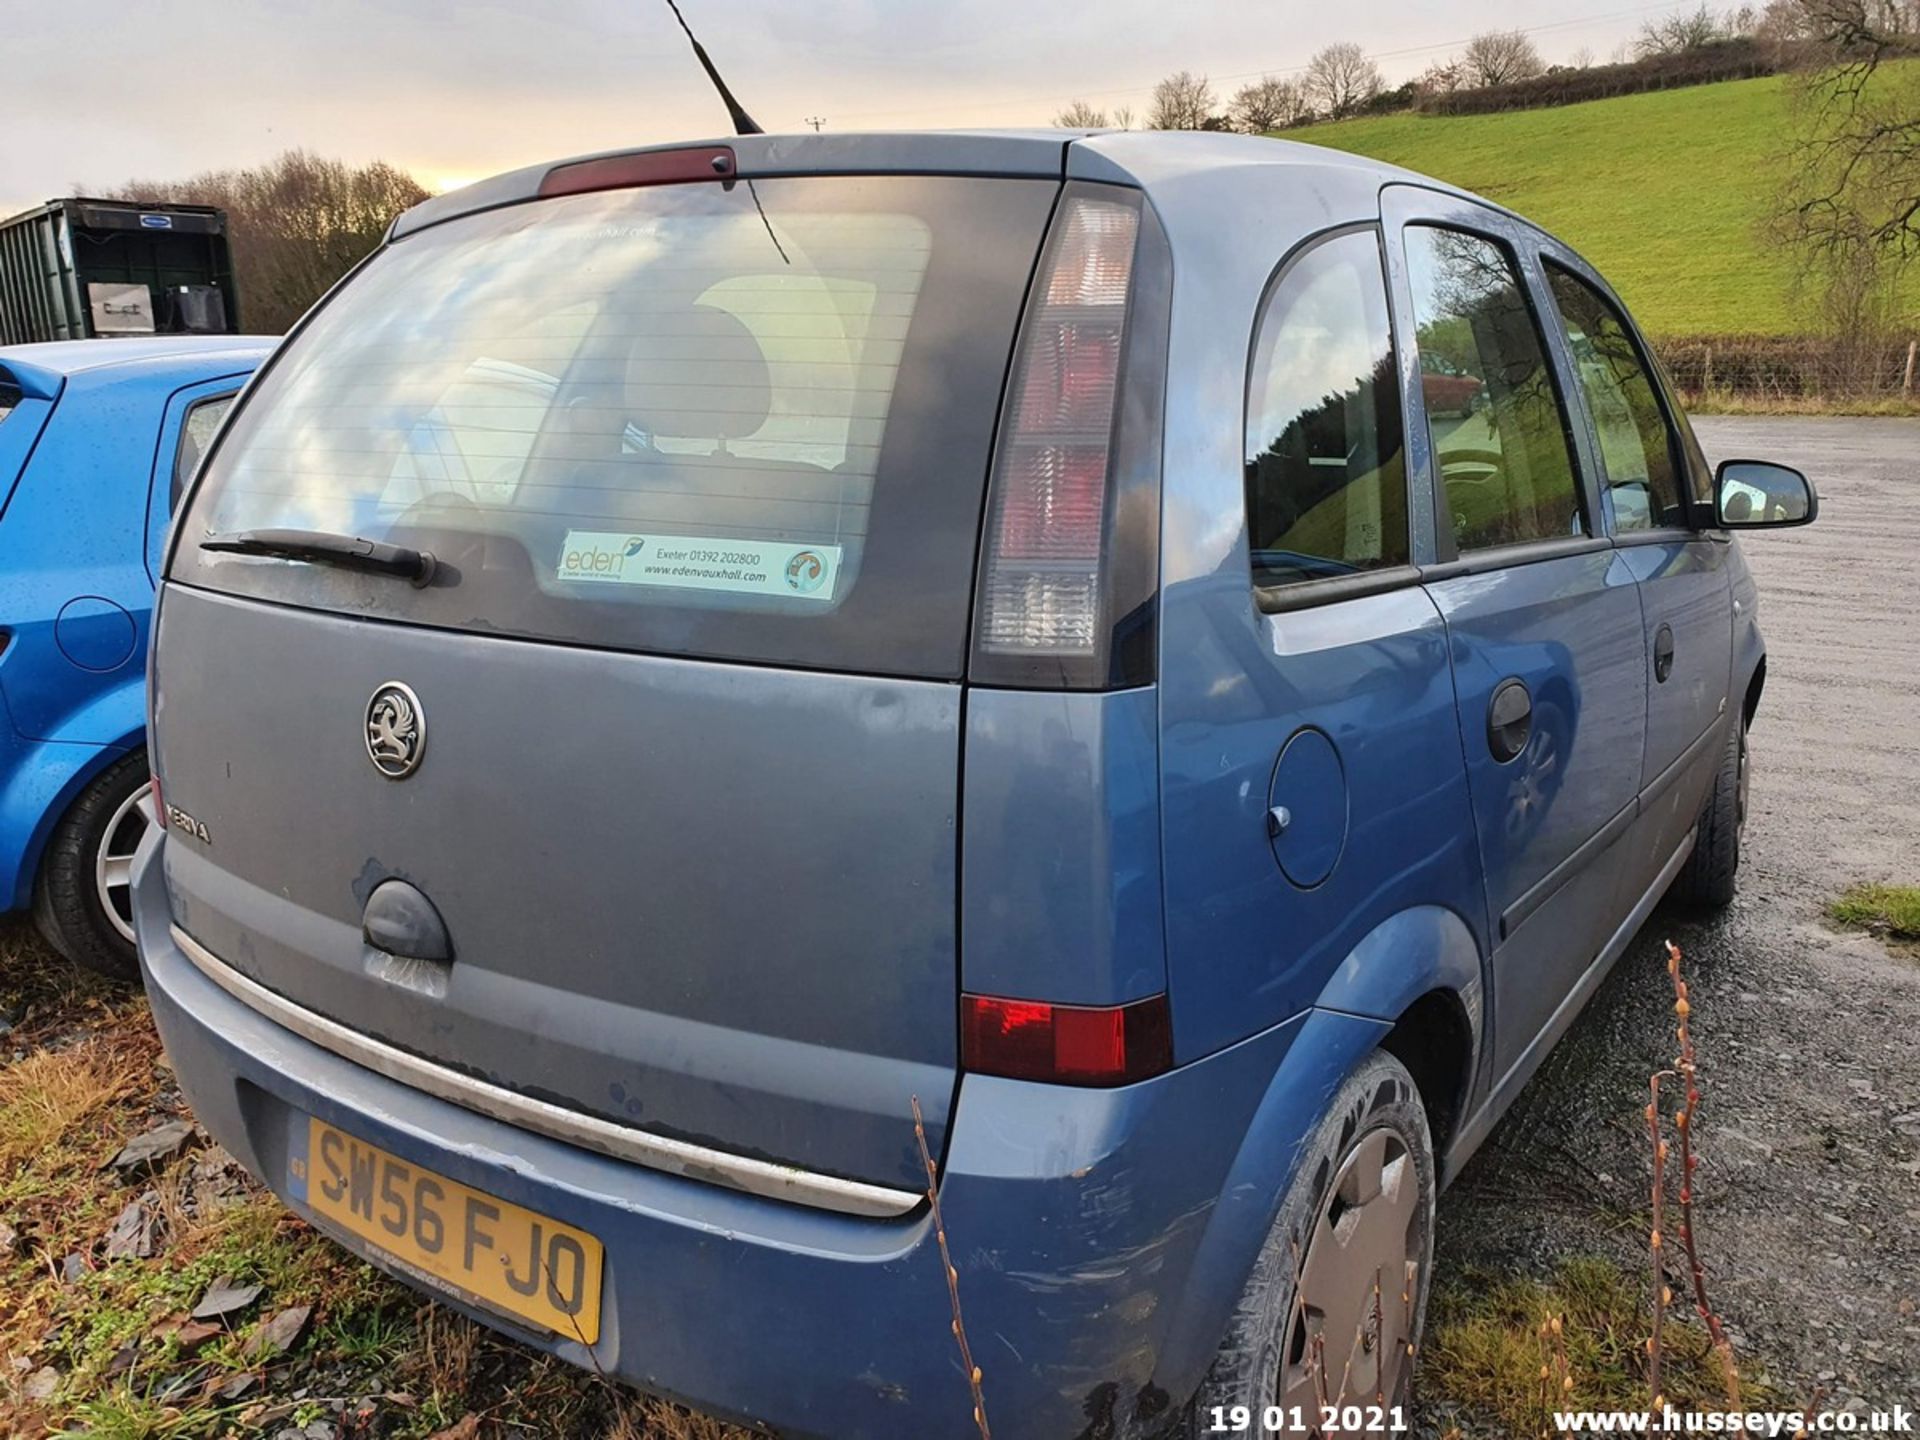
x: 1066, y: 1044
x: 1059, y: 504
x: 1041, y: 594
x: 159, y: 806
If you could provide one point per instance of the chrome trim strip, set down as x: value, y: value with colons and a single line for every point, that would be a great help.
x: 656, y: 1152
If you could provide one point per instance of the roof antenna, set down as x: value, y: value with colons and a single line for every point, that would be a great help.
x: 743, y: 123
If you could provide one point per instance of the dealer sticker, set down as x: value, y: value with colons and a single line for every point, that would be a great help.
x: 697, y: 562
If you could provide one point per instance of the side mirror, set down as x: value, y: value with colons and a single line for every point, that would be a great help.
x: 1758, y: 495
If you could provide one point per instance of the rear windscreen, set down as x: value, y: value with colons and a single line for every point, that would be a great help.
x: 747, y: 421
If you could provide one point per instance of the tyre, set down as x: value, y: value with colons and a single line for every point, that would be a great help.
x: 1332, y: 1313
x: 83, y: 896
x: 1709, y: 878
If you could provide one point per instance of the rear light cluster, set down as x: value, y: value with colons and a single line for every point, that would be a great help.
x: 1066, y: 1044
x: 1042, y: 591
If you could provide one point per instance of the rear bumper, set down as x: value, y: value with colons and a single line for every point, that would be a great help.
x: 1081, y: 1222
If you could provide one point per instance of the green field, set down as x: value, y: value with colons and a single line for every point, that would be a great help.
x: 1665, y: 193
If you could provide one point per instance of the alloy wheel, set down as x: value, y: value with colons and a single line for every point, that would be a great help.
x: 113, y: 862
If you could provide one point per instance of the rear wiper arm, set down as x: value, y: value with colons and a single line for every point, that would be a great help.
x: 320, y: 547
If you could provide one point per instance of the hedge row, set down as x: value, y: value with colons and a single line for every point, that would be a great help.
x: 1737, y: 59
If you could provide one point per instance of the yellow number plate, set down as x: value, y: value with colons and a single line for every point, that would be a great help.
x: 510, y: 1259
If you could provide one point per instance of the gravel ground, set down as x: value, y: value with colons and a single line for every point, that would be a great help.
x: 1809, y: 1039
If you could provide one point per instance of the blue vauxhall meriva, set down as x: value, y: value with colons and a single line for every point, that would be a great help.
x: 97, y: 439
x: 1183, y: 657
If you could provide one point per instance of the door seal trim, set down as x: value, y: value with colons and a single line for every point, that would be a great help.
x: 623, y: 1142
x: 1550, y: 884
x: 1680, y: 764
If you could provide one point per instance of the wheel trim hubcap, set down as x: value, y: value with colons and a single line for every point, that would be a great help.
x: 1348, y: 1339
x: 113, y: 862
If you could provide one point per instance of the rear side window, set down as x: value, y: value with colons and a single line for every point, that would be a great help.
x: 196, y: 432
x: 1326, y: 469
x: 9, y: 396
x: 1499, y: 433
x: 1637, y: 449
x: 748, y: 421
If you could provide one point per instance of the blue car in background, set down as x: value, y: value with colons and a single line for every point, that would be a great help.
x: 97, y: 440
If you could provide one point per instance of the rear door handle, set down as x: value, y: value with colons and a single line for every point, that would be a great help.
x: 1509, y: 719
x: 1663, y: 654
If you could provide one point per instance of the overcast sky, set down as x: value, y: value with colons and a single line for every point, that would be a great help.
x: 96, y: 94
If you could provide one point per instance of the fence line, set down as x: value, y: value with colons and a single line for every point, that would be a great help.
x: 1793, y: 368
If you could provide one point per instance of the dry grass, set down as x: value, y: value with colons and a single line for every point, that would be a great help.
x: 645, y: 1418
x: 1485, y: 1349
x: 47, y: 1099
x: 80, y: 1073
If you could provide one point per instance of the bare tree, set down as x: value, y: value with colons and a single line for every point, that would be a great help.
x: 1123, y: 117
x: 1851, y: 207
x: 1783, y: 22
x: 1269, y: 103
x: 1856, y: 164
x: 1500, y: 57
x: 1182, y: 101
x: 1676, y: 34
x: 1856, y: 27
x: 1581, y: 59
x: 1341, y: 79
x: 1442, y: 77
x: 297, y: 224
x: 1081, y: 116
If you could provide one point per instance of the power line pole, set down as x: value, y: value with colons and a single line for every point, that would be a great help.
x: 816, y: 121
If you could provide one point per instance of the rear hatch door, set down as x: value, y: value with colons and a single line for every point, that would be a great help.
x: 701, y: 470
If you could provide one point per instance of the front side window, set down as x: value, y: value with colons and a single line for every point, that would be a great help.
x: 1696, y: 473
x: 1325, y: 465
x: 196, y: 433
x: 747, y: 421
x: 1499, y: 433
x: 1636, y: 447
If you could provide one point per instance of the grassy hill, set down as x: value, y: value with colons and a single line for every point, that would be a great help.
x: 1664, y: 193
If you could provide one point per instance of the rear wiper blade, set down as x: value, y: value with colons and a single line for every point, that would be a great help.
x: 320, y: 547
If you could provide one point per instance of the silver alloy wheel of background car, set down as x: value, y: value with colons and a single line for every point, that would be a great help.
x: 113, y: 861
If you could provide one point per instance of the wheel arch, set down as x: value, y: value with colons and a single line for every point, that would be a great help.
x: 1413, y: 987
x: 38, y: 796
x: 1435, y: 1041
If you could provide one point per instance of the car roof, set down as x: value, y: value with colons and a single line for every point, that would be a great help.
x: 70, y: 357
x: 1153, y: 160
x: 43, y: 370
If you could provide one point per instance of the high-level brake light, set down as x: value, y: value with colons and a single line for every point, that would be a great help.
x: 637, y: 169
